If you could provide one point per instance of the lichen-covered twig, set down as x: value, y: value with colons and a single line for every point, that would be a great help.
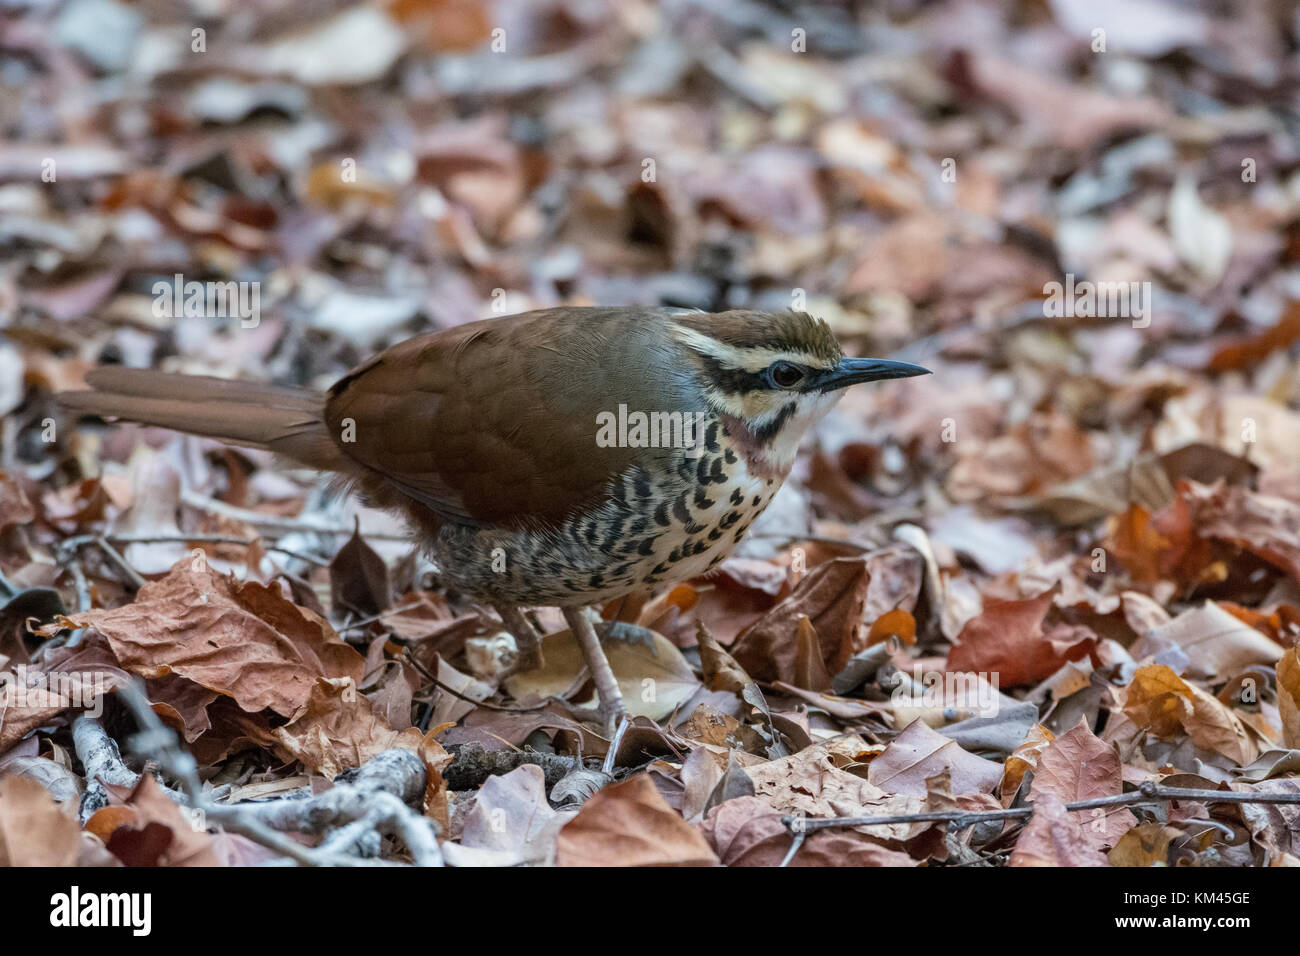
x: 473, y: 764
x: 103, y: 764
x: 374, y: 800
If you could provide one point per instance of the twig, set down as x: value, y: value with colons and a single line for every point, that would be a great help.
x: 960, y: 819
x: 433, y: 679
x: 70, y: 563
x: 115, y: 556
x: 473, y: 764
x: 72, y: 544
x: 377, y: 792
x: 795, y: 844
x: 367, y: 621
x: 67, y: 559
x: 103, y: 764
x: 815, y: 539
x: 261, y: 520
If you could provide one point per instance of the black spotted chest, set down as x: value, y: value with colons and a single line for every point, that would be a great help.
x: 652, y: 529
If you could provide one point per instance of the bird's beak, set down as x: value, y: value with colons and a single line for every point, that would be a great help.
x: 850, y: 371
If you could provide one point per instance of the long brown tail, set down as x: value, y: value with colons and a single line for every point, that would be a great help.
x: 288, y: 421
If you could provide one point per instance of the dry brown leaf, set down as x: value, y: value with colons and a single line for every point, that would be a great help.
x: 1161, y: 702
x: 182, y: 704
x: 1265, y: 526
x: 1022, y: 760
x: 630, y: 824
x: 339, y: 730
x: 1248, y: 350
x: 1146, y: 844
x: 1067, y: 115
x: 1217, y: 643
x: 1007, y: 638
x: 85, y: 671
x: 719, y: 669
x: 241, y: 639
x: 931, y: 840
x: 1054, y: 837
x: 746, y: 831
x: 444, y: 24
x: 1276, y: 826
x: 34, y: 830
x: 846, y: 708
x: 655, y: 681
x: 511, y: 815
x: 701, y: 772
x: 919, y: 753
x: 359, y: 578
x: 1076, y: 766
x: 832, y: 596
x: 1288, y: 696
x: 158, y: 832
x: 1139, y: 545
x: 811, y: 783
x: 809, y: 669
x: 15, y: 509
x: 896, y: 623
x: 837, y: 596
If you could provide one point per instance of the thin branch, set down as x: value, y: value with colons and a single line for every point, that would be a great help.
x: 115, y: 556
x: 72, y: 544
x: 433, y: 679
x: 368, y: 795
x: 960, y: 819
x: 260, y: 520
x: 367, y: 621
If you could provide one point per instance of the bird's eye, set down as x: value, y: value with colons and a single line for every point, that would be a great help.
x: 785, y: 375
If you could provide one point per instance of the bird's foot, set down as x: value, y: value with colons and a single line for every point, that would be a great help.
x: 612, y: 714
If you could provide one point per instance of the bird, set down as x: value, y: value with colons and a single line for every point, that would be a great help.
x: 562, y: 457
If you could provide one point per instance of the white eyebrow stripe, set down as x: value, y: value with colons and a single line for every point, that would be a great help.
x: 751, y: 359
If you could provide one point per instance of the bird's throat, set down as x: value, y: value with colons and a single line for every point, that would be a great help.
x: 759, y: 455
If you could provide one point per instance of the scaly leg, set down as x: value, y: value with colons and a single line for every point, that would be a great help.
x: 611, y: 698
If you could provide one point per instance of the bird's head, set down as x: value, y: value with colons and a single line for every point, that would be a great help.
x: 772, y: 376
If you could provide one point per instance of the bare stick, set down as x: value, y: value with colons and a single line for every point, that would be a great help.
x: 960, y: 819
x: 260, y: 520
x: 377, y: 792
x: 71, y: 544
x: 133, y: 576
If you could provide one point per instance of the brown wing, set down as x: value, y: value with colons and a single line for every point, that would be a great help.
x: 495, y: 422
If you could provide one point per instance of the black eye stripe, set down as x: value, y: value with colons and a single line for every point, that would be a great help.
x: 765, y: 433
x: 732, y: 380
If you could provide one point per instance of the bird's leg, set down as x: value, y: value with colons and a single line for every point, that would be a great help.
x: 611, y: 698
x: 528, y: 654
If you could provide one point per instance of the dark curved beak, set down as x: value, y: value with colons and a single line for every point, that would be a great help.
x: 851, y: 371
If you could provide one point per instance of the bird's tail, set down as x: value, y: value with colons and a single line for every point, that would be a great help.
x: 288, y: 421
